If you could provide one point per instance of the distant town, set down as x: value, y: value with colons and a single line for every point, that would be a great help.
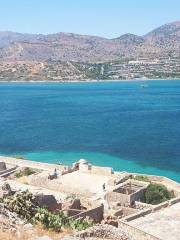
x: 72, y: 57
x: 140, y: 68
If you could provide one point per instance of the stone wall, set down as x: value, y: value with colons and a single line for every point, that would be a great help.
x: 169, y: 183
x: 31, y: 164
x: 125, y: 211
x: 142, y: 206
x: 125, y: 199
x: 56, y: 185
x: 137, y: 215
x: 174, y: 200
x: 8, y: 171
x: 72, y: 212
x: 134, y: 233
x: 114, y: 197
x: 107, y: 171
x: 96, y: 214
x: 148, y: 208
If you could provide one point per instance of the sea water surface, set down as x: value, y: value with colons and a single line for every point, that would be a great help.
x: 119, y: 124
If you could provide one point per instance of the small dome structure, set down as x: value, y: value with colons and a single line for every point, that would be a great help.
x: 83, y: 161
x: 83, y: 165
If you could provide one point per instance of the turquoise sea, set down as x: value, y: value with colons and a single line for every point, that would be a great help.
x: 119, y: 124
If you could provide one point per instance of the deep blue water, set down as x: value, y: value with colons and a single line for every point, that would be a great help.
x: 119, y: 124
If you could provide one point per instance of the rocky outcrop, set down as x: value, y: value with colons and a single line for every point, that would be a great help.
x: 72, y: 204
x: 100, y: 232
x: 5, y: 189
x: 47, y: 201
x: 9, y: 221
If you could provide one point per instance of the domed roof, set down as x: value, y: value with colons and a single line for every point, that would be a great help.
x: 83, y: 161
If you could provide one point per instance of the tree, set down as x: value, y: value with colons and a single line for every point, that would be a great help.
x: 157, y: 193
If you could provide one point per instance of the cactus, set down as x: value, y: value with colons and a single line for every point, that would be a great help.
x: 24, y: 205
x: 21, y: 203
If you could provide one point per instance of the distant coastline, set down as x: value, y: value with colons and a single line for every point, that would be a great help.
x: 89, y: 80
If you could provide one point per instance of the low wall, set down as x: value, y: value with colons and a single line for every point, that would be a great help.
x: 169, y: 183
x: 174, y: 201
x: 148, y: 208
x: 56, y: 185
x: 124, y: 199
x: 125, y: 211
x: 96, y: 214
x: 31, y: 164
x: 72, y: 212
x: 135, y: 233
x: 114, y: 197
x: 142, y: 206
x: 137, y: 215
x: 137, y: 196
x: 160, y: 206
x: 7, y: 172
x: 102, y: 170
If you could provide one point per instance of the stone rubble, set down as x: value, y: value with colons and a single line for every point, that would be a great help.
x: 8, y: 220
x: 99, y: 232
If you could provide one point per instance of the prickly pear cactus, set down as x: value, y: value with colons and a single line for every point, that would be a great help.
x: 21, y: 203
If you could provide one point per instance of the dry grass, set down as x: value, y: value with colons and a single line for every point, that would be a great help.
x: 23, y: 179
x: 28, y: 235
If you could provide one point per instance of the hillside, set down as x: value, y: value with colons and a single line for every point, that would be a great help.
x: 73, y: 47
x: 74, y: 56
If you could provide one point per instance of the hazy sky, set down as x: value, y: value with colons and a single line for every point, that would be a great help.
x: 107, y: 18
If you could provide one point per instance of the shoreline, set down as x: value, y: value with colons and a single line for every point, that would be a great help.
x: 108, y: 160
x: 88, y: 80
x: 44, y: 166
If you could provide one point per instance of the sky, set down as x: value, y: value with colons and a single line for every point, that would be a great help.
x: 106, y: 18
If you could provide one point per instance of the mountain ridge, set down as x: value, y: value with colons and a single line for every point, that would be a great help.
x: 64, y: 56
x: 75, y: 47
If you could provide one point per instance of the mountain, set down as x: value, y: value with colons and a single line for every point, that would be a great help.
x: 161, y: 42
x: 164, y: 34
x: 129, y: 38
x: 64, y: 56
x: 7, y: 37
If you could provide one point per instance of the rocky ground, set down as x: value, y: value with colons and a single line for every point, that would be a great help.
x: 99, y: 232
x: 11, y: 228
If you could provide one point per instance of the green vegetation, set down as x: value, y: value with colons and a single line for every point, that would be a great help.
x: 141, y: 178
x: 95, y: 71
x: 157, y: 193
x: 25, y: 206
x: 25, y: 172
x: 50, y: 220
x: 57, y: 221
x: 22, y: 203
x: 18, y: 157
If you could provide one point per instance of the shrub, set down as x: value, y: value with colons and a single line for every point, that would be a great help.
x: 25, y: 206
x: 50, y: 220
x: 80, y: 224
x: 141, y: 178
x: 157, y: 193
x: 25, y: 172
x: 22, y: 203
x: 18, y: 157
x: 56, y: 221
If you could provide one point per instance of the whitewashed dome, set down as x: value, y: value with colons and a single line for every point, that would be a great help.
x: 83, y: 161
